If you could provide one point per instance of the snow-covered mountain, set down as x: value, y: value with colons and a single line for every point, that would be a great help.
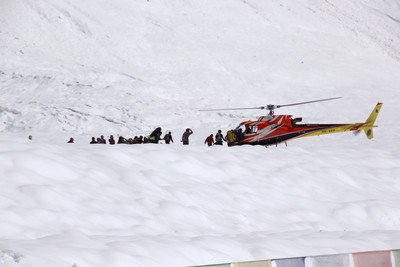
x: 130, y: 65
x: 86, y: 68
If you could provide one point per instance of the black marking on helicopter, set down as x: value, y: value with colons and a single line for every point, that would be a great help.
x: 280, y: 138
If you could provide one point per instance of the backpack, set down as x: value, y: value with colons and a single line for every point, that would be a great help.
x: 218, y: 137
x: 231, y: 137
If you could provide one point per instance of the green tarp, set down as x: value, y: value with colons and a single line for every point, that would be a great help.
x: 396, y: 257
x: 266, y: 263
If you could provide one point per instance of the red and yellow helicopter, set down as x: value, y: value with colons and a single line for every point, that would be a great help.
x: 275, y: 129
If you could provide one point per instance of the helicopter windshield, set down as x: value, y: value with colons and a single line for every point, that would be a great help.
x: 241, y: 126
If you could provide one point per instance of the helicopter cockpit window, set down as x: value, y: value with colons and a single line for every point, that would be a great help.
x: 251, y: 129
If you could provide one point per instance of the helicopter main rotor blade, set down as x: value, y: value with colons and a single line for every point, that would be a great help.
x: 272, y: 107
x: 216, y: 109
x: 301, y: 103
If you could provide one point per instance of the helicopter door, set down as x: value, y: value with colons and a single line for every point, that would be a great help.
x: 241, y: 127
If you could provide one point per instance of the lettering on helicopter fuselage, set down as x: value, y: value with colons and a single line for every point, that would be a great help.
x: 329, y: 131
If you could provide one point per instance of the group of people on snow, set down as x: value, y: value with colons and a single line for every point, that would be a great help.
x: 154, y: 137
x: 101, y: 140
x: 230, y: 138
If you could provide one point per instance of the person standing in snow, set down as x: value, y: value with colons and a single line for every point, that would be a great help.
x: 158, y: 137
x: 93, y: 141
x: 239, y: 135
x: 185, y: 136
x: 230, y: 138
x: 71, y: 140
x: 111, y: 140
x: 209, y: 140
x: 102, y: 140
x: 168, y: 138
x: 219, y: 138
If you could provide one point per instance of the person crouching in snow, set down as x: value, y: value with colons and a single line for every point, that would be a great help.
x: 155, y: 136
x: 209, y: 140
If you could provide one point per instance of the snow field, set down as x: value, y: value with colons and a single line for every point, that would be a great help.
x: 142, y: 204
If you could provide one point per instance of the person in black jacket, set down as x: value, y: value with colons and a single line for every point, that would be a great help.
x: 168, y: 138
x: 239, y: 135
x: 185, y: 136
x: 219, y: 138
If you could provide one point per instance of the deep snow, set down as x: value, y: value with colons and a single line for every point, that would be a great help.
x: 122, y: 68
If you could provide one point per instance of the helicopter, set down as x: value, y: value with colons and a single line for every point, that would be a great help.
x: 275, y: 129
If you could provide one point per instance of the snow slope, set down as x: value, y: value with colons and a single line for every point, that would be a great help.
x: 131, y: 64
x: 124, y: 67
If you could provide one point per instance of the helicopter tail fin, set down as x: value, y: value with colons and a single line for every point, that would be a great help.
x: 369, y: 124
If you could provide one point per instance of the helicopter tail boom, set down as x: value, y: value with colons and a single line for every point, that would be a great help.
x: 355, y: 127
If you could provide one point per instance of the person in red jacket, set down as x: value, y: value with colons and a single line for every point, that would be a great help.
x: 209, y: 140
x: 111, y: 140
